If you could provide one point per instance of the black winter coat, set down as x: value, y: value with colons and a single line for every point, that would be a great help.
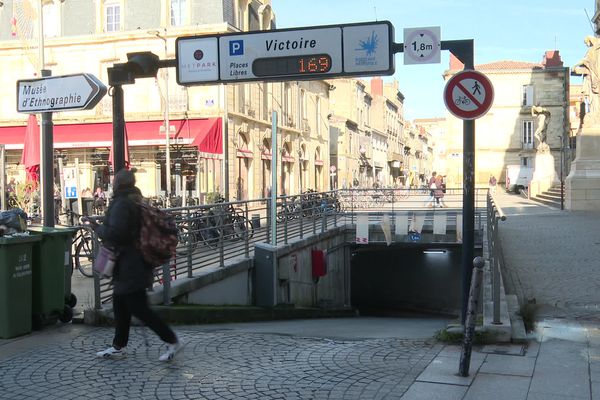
x: 121, y: 229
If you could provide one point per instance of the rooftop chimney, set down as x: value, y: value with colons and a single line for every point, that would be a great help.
x: 455, y: 64
x: 552, y: 59
x: 376, y: 86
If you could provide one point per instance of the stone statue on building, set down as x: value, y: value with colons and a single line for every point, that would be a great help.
x: 541, y: 133
x: 588, y: 67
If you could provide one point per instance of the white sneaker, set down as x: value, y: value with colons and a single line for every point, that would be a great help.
x: 172, y: 349
x: 111, y: 352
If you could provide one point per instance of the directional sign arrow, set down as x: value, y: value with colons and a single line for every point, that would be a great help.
x: 59, y: 93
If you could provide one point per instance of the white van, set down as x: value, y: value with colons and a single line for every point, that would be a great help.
x: 518, y: 178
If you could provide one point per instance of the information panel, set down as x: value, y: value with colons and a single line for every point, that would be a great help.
x: 299, y: 53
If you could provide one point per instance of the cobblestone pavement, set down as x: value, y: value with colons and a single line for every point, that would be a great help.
x: 555, y: 257
x: 214, y: 364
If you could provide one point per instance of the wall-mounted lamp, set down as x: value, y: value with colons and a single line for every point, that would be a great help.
x: 434, y: 251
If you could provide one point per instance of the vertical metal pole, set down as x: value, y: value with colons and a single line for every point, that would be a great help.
x: 167, y: 137
x: 166, y: 275
x: 274, y: 153
x: 225, y: 178
x: 468, y: 210
x: 475, y: 290
x: 47, y: 165
x: 118, y: 129
x: 3, y: 198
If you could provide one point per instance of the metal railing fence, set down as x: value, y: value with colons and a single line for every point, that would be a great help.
x: 496, y: 257
x: 216, y: 234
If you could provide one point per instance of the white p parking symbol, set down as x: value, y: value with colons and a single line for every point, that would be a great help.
x: 236, y: 47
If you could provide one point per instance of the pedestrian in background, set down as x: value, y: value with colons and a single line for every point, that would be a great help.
x: 431, y: 184
x: 439, y: 191
x: 492, y: 184
x: 132, y: 274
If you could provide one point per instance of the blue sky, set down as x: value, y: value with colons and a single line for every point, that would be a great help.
x: 518, y: 30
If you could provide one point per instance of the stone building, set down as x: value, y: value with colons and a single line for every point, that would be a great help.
x: 582, y: 185
x: 92, y: 36
x: 371, y: 144
x: 505, y: 135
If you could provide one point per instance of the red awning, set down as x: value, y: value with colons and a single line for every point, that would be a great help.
x: 206, y: 134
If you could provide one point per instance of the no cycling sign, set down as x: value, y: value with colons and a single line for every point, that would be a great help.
x: 468, y: 95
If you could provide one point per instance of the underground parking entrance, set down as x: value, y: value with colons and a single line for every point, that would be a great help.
x: 406, y: 278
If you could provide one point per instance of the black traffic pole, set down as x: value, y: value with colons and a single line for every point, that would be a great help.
x: 118, y: 128
x: 139, y: 65
x: 47, y: 161
x: 463, y: 50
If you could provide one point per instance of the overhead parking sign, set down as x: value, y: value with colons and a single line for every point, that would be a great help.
x: 468, y: 95
x: 301, y: 53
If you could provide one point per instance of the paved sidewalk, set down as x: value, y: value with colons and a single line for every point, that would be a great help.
x: 356, y: 358
x: 551, y: 256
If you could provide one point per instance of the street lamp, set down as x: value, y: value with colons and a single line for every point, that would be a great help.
x: 166, y: 122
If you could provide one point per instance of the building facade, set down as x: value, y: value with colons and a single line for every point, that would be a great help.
x: 219, y: 135
x: 505, y: 135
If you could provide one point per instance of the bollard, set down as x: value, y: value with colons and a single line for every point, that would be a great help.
x: 255, y: 220
x: 465, y: 355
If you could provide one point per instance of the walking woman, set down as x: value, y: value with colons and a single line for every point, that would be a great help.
x: 132, y: 275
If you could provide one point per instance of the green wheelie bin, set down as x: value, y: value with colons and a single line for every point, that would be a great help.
x: 51, y: 260
x: 16, y: 253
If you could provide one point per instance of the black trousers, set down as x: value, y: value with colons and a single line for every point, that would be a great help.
x: 136, y: 304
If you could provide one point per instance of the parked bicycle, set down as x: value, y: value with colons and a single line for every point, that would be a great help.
x: 211, y: 225
x: 84, y: 244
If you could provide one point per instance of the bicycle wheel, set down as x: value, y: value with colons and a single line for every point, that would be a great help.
x: 84, y: 256
x: 210, y: 236
x: 242, y: 227
x: 186, y: 240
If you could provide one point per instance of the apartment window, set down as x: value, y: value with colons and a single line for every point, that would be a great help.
x: 112, y: 13
x: 240, y: 14
x: 527, y: 95
x: 526, y: 162
x: 241, y: 97
x: 303, y: 103
x: 178, y: 12
x: 51, y: 20
x: 527, y: 135
x: 287, y: 99
x: 318, y: 115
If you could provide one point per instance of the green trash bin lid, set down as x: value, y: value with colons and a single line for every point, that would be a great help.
x: 19, y: 238
x: 47, y: 230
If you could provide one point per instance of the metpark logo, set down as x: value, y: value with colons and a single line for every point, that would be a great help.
x: 369, y: 45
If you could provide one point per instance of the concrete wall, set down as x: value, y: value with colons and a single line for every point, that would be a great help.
x: 283, y: 274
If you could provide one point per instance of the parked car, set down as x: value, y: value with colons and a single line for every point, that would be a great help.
x: 518, y: 178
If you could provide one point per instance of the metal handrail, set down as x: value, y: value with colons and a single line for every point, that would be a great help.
x: 495, y: 214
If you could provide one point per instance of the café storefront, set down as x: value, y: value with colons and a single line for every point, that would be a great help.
x: 195, y: 153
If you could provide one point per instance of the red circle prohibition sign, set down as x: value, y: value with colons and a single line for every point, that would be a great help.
x: 468, y: 95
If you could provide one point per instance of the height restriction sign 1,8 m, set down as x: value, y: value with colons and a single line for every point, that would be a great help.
x: 468, y: 95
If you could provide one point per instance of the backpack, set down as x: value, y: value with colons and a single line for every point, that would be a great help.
x: 158, y: 235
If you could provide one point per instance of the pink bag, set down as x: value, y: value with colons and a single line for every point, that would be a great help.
x: 104, y: 264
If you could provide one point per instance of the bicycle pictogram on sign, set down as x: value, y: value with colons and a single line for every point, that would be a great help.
x: 468, y: 95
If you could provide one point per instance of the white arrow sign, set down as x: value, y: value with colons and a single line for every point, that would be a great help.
x: 59, y: 93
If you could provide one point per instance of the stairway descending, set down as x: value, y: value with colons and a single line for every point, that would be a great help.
x: 551, y: 197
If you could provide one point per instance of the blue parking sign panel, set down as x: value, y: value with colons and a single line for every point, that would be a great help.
x: 70, y: 192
